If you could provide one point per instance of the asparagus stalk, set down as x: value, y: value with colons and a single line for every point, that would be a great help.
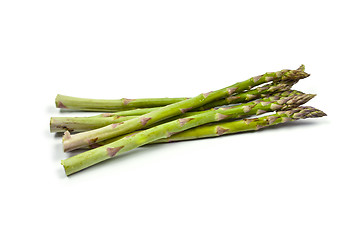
x: 80, y: 124
x: 94, y: 156
x: 238, y: 98
x: 252, y: 94
x: 275, y: 97
x: 253, y: 124
x: 88, y: 104
x: 133, y: 112
x: 71, y: 142
x: 238, y: 126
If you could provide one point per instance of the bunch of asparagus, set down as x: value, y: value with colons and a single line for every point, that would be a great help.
x: 126, y: 124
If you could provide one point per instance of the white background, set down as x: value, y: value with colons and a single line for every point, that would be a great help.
x: 298, y: 181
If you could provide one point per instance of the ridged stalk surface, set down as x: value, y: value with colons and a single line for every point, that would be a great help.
x: 94, y: 156
x: 81, y: 124
x: 71, y: 142
x: 252, y: 124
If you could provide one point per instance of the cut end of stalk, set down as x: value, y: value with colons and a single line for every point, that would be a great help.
x: 51, y: 125
x: 66, y: 148
x: 58, y: 101
x: 63, y: 165
x: 65, y: 168
x: 66, y: 136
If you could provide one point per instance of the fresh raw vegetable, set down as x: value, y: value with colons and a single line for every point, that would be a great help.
x: 125, y: 124
x: 236, y: 126
x: 71, y: 142
x: 87, y: 104
x: 252, y: 124
x: 105, y: 105
x: 81, y: 124
x: 94, y: 156
x: 143, y: 106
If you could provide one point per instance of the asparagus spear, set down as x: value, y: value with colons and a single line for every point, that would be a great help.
x: 250, y: 95
x: 133, y: 112
x: 94, y: 156
x: 238, y: 126
x: 238, y: 98
x: 80, y: 124
x: 218, y: 129
x: 71, y: 142
x: 87, y: 104
x: 274, y: 97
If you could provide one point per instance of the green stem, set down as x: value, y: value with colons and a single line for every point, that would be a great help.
x: 133, y: 112
x: 243, y: 97
x: 71, y: 142
x: 218, y: 129
x: 276, y: 97
x: 81, y: 124
x: 106, y: 105
x: 94, y: 156
x: 97, y: 105
x: 88, y: 104
x: 252, y: 94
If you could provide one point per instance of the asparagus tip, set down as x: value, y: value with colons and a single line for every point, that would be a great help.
x: 308, y: 97
x: 304, y: 112
x: 297, y: 100
x: 301, y: 68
